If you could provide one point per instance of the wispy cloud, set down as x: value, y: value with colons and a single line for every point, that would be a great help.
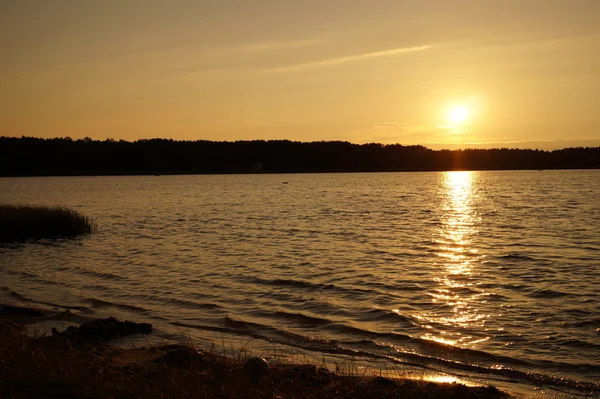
x: 267, y: 46
x: 406, y: 132
x: 548, y: 145
x: 349, y: 58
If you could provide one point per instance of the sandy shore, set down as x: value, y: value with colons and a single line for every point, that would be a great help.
x: 80, y: 362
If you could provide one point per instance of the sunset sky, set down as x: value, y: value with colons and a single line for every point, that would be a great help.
x: 442, y: 73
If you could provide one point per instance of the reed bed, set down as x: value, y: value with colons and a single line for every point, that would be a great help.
x: 25, y: 222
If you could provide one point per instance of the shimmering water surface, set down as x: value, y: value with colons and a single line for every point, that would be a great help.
x: 488, y: 273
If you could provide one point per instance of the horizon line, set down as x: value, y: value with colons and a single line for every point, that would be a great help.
x: 431, y: 146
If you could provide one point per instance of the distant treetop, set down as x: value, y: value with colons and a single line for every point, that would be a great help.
x: 29, y: 156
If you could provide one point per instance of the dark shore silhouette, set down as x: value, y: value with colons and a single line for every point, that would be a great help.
x: 29, y: 156
x: 81, y: 363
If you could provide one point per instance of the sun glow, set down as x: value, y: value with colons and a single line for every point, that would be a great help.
x: 457, y: 115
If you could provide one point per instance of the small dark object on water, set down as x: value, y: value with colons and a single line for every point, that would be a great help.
x: 104, y: 329
x: 284, y: 182
x: 257, y: 367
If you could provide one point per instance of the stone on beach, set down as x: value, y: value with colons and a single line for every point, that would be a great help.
x: 257, y: 367
x: 184, y: 357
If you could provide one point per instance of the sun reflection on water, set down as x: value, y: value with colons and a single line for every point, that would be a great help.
x: 455, y: 297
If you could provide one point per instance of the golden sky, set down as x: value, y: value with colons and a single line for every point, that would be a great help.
x: 523, y: 72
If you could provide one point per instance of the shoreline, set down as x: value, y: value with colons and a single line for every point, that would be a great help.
x: 159, y: 173
x: 82, y: 362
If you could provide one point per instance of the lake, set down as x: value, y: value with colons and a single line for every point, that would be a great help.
x: 477, y: 275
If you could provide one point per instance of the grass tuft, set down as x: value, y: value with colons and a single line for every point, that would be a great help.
x: 23, y: 222
x: 56, y: 367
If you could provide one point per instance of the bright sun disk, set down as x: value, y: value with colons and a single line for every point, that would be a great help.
x: 457, y: 115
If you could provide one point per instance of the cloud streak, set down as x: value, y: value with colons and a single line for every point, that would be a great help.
x: 349, y: 58
x: 267, y: 46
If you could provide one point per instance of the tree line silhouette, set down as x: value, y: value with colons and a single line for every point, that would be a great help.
x: 30, y: 156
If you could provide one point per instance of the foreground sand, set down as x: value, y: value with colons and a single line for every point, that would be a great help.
x: 81, y: 363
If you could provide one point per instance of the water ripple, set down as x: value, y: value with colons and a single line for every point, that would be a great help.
x: 492, y: 272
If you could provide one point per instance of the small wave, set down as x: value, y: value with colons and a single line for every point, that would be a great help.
x: 592, y: 322
x: 312, y: 287
x: 378, y: 314
x: 99, y: 303
x: 579, y: 312
x: 373, y: 349
x: 517, y: 257
x: 462, y: 290
x: 15, y: 295
x: 291, y: 283
x: 547, y: 293
x: 400, y: 286
x: 577, y: 343
x: 301, y: 284
x: 31, y: 276
x: 511, y: 227
x: 96, y: 287
x: 102, y: 275
x: 23, y: 298
x: 302, y: 318
x: 345, y: 329
x: 242, y: 325
x: 22, y: 274
x: 182, y: 302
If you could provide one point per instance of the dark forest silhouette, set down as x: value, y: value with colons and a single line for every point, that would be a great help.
x: 29, y: 156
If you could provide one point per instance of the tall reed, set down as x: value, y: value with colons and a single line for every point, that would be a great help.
x: 23, y: 222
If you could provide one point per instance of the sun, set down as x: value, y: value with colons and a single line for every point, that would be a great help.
x: 457, y: 115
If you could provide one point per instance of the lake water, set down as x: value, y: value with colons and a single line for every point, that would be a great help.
x: 490, y: 275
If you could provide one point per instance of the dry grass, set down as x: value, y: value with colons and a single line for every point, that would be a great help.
x: 55, y: 367
x: 20, y: 222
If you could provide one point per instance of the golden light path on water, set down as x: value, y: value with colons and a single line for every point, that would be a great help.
x: 457, y: 260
